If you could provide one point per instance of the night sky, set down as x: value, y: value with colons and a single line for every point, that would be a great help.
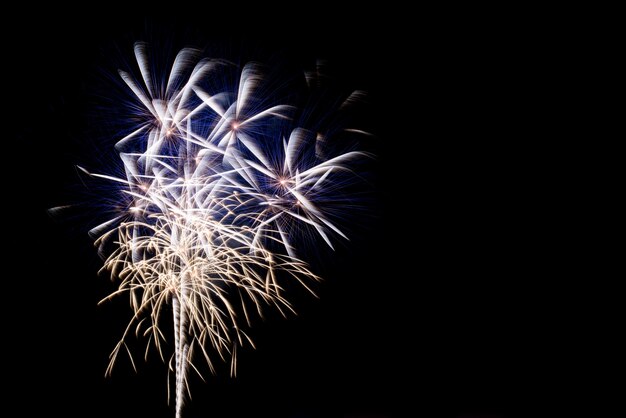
x: 430, y: 311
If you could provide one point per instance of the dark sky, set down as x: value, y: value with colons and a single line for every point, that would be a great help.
x: 433, y: 311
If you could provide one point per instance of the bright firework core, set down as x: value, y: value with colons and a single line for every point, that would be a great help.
x: 218, y: 193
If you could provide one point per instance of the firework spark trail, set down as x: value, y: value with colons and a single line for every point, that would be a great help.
x: 215, y: 198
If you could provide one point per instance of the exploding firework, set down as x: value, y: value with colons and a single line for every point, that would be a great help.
x: 217, y: 189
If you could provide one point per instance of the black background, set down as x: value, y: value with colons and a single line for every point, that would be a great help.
x: 433, y: 310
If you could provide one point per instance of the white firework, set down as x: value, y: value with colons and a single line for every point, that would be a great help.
x: 215, y: 195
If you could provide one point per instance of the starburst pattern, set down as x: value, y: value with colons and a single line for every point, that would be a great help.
x: 216, y: 188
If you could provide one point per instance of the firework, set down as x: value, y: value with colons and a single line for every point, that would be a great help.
x: 217, y: 186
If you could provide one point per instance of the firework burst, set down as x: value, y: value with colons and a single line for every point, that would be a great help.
x: 217, y: 187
